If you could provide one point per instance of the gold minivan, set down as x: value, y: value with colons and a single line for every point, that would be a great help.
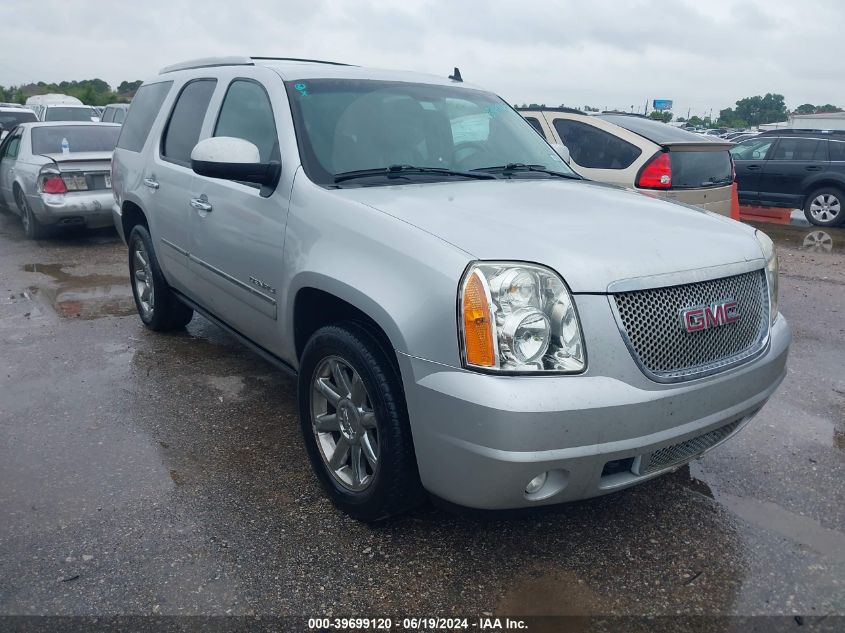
x: 637, y: 152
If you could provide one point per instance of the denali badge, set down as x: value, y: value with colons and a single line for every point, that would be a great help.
x: 705, y: 317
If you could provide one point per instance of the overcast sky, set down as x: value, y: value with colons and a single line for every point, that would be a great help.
x: 703, y: 54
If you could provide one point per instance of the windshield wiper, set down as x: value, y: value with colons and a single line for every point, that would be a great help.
x: 514, y: 167
x: 395, y: 171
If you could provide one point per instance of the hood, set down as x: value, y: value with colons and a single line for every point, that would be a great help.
x: 591, y: 234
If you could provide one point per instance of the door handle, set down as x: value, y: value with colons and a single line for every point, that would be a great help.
x: 152, y: 183
x: 201, y: 204
x: 753, y: 167
x: 813, y: 168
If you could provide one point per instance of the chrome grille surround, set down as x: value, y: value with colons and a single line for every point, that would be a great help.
x: 668, y: 456
x: 650, y: 323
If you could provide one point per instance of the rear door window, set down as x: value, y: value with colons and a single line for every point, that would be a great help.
x: 700, y: 169
x: 837, y: 150
x: 594, y: 148
x: 804, y: 149
x: 142, y: 114
x: 183, y: 129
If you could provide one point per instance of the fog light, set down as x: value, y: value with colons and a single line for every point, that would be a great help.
x: 535, y: 484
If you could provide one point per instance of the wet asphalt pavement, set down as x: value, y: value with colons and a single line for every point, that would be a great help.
x: 164, y: 474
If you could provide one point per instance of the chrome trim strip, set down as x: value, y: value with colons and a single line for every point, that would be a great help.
x: 684, y: 277
x: 181, y: 251
x: 231, y: 279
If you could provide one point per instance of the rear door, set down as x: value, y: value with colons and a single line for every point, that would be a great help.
x: 749, y: 160
x: 170, y: 178
x: 792, y: 161
x: 237, y: 229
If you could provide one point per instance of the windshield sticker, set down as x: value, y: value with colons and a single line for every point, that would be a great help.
x: 495, y: 110
x: 302, y: 89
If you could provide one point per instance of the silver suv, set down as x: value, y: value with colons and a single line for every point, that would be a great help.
x: 465, y: 316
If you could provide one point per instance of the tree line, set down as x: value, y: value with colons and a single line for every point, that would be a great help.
x: 90, y: 91
x: 747, y: 112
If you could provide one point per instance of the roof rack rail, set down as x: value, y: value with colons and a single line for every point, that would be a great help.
x: 237, y: 60
x: 208, y: 62
x: 299, y: 59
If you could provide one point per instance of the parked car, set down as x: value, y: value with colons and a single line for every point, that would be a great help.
x: 741, y: 137
x: 646, y: 155
x: 11, y: 116
x: 57, y: 174
x: 70, y: 112
x: 429, y: 269
x: 790, y: 168
x: 114, y: 113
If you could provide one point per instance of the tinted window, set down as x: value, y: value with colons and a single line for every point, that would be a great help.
x: 837, y: 150
x: 80, y: 138
x: 700, y: 169
x: 246, y: 114
x: 10, y: 119
x: 753, y: 149
x: 142, y: 114
x: 799, y: 149
x: 69, y: 113
x: 535, y: 123
x: 595, y: 148
x: 183, y: 129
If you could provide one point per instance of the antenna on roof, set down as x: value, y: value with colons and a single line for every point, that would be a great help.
x: 457, y: 75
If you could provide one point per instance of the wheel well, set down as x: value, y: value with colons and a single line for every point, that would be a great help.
x: 131, y: 215
x: 315, y: 308
x: 822, y: 184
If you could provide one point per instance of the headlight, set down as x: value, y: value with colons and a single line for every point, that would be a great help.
x: 771, y: 255
x: 518, y: 318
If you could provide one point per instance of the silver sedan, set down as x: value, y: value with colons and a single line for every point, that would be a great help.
x: 58, y: 174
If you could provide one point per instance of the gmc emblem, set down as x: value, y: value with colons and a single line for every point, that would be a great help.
x: 705, y: 317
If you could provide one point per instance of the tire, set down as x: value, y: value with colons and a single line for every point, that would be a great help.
x: 372, y: 424
x: 159, y: 308
x: 825, y: 207
x: 31, y: 227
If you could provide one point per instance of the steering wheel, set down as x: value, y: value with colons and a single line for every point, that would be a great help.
x: 472, y: 146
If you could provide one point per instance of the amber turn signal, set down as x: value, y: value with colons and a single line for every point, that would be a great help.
x: 478, y: 328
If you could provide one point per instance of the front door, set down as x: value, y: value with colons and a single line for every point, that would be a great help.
x: 749, y: 160
x: 238, y: 229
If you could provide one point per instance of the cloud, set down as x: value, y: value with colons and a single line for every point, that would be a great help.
x: 602, y: 53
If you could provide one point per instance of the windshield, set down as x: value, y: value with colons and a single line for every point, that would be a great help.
x: 345, y: 125
x: 80, y: 138
x: 68, y: 113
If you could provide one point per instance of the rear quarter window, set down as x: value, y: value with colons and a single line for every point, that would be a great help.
x: 837, y: 150
x: 594, y: 148
x: 145, y: 107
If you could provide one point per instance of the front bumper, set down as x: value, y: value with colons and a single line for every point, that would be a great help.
x: 480, y: 439
x: 88, y: 208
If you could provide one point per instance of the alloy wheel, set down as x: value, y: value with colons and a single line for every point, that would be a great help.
x: 143, y: 279
x: 344, y: 424
x: 825, y: 207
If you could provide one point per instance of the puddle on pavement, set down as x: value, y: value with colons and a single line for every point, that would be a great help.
x: 84, y: 296
x: 813, y: 239
x: 550, y: 593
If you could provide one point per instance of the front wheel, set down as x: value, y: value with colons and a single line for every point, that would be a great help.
x: 355, y: 423
x: 825, y: 207
x: 159, y: 308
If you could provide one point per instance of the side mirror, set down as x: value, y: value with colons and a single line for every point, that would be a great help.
x: 562, y: 151
x: 230, y: 158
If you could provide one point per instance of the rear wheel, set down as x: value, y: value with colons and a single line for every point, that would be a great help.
x: 31, y: 227
x: 355, y: 423
x: 825, y: 207
x: 157, y: 305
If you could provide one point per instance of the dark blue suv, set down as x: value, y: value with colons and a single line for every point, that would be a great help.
x: 794, y: 169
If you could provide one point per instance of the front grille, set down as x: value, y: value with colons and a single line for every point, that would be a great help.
x: 669, y: 455
x: 654, y: 332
